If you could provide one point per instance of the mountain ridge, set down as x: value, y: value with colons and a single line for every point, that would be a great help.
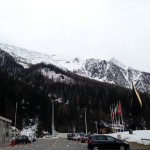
x: 111, y: 71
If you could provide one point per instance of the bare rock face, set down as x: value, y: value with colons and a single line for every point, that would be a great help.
x: 111, y: 71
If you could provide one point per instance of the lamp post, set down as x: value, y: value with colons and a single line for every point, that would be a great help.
x: 85, y: 121
x: 96, y: 126
x: 52, y: 101
x: 59, y: 100
x: 53, y: 118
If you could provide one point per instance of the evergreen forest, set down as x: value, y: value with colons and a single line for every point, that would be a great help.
x: 29, y: 88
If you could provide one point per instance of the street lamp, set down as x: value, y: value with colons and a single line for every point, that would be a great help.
x: 15, y: 120
x: 96, y: 126
x: 53, y: 118
x: 54, y: 99
x: 85, y: 121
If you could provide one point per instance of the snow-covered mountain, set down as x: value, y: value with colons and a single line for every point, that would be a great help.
x: 111, y: 71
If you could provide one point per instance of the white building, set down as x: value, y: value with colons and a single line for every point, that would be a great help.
x: 4, y: 129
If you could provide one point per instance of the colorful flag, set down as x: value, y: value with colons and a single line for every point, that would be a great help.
x: 119, y: 109
x: 112, y: 114
x: 116, y: 109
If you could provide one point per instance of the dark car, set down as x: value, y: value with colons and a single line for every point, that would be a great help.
x: 69, y: 136
x: 85, y: 138
x: 99, y: 142
x: 22, y: 139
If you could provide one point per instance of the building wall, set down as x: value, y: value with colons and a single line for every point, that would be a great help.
x: 4, y: 129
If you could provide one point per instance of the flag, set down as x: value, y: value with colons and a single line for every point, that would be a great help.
x: 136, y: 102
x: 120, y: 113
x: 110, y: 111
x: 119, y: 109
x: 115, y: 113
x: 112, y: 114
x: 116, y: 109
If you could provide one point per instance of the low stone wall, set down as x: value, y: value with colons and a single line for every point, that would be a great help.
x: 62, y: 135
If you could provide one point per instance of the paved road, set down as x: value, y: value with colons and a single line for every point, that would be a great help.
x: 52, y: 144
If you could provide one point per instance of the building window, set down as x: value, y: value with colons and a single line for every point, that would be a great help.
x: 7, y: 134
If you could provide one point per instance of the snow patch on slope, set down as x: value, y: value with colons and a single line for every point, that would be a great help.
x: 56, y: 77
x: 112, y: 72
x: 25, y: 58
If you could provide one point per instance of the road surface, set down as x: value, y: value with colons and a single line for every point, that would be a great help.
x: 53, y: 144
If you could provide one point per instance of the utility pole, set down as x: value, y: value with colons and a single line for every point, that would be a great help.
x: 85, y: 121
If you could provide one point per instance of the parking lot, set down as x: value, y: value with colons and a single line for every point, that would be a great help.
x: 49, y: 144
x: 58, y: 144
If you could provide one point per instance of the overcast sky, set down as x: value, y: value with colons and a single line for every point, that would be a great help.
x: 86, y: 28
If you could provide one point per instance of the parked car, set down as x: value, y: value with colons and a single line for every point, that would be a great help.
x: 78, y: 136
x: 31, y: 135
x: 47, y: 135
x: 85, y: 138
x: 69, y: 136
x: 32, y: 139
x: 98, y: 142
x: 22, y: 139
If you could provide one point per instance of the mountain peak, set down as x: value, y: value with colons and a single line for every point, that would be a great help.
x: 116, y: 62
x: 97, y: 69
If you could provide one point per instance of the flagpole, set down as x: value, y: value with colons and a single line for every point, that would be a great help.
x: 111, y: 114
x: 119, y: 127
x: 122, y: 117
x: 115, y: 117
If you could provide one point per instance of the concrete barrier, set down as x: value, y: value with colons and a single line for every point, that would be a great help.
x: 62, y: 135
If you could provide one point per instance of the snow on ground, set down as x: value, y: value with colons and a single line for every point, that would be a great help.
x: 135, y: 137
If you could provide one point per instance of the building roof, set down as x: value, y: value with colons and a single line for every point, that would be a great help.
x: 5, y: 119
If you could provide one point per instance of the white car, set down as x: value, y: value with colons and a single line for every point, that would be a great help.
x: 77, y: 136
